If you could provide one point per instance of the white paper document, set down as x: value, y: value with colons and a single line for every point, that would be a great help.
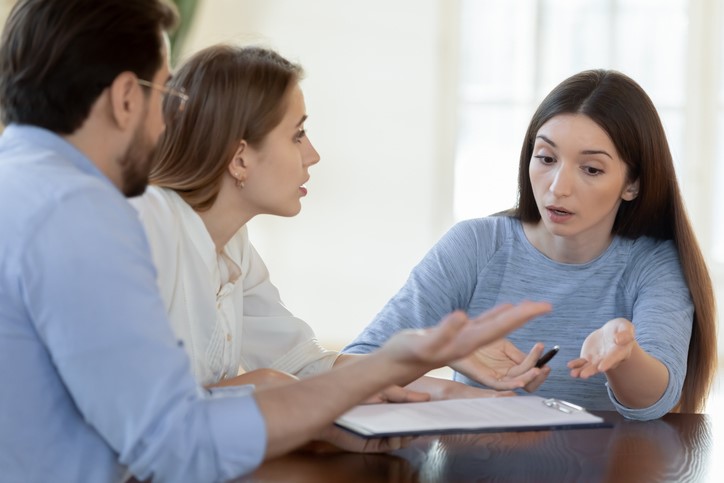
x: 517, y: 413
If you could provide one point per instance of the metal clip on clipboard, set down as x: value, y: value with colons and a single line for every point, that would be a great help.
x: 562, y: 406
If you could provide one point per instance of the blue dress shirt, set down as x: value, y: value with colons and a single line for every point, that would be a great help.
x: 92, y: 381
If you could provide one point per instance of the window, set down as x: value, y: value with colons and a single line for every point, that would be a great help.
x: 514, y: 52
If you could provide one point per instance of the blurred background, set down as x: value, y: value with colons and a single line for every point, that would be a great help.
x: 418, y: 109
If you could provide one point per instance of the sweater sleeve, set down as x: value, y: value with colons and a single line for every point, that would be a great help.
x: 662, y: 316
x: 442, y: 282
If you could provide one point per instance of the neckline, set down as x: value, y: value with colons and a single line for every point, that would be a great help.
x: 543, y: 258
x: 195, y: 229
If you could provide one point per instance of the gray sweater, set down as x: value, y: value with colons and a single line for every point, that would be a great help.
x: 484, y: 262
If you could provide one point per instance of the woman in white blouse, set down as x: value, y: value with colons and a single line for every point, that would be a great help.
x: 235, y: 149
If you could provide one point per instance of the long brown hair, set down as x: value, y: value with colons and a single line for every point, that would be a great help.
x: 234, y: 93
x: 622, y: 109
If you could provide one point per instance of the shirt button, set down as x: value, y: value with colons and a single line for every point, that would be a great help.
x: 228, y: 337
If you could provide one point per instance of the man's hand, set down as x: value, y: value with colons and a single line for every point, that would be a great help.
x: 457, y: 336
x: 295, y: 413
x: 604, y: 349
x: 503, y: 366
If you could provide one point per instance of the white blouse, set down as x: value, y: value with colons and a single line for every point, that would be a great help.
x: 223, y: 307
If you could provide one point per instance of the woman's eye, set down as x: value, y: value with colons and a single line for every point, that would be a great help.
x: 592, y: 171
x: 546, y: 159
x: 300, y: 134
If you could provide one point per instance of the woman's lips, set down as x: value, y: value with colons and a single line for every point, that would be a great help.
x: 557, y: 214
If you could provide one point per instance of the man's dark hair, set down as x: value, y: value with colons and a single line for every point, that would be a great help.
x: 57, y: 56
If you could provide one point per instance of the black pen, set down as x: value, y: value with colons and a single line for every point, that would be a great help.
x: 545, y: 358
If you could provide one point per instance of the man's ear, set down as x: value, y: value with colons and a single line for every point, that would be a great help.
x: 125, y: 99
x: 631, y: 191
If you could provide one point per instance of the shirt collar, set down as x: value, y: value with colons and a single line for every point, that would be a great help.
x: 42, y: 138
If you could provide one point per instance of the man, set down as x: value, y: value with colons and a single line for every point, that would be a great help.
x: 92, y: 382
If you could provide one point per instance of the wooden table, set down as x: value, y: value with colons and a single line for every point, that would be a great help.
x: 679, y: 447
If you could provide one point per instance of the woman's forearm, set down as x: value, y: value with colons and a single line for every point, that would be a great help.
x: 639, y: 381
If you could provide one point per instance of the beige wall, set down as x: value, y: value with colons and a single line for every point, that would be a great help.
x: 381, y: 195
x: 380, y: 96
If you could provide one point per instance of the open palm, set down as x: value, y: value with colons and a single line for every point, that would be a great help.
x: 501, y: 365
x: 457, y: 336
x: 604, y: 349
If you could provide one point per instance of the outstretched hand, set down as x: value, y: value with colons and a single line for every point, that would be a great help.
x: 604, y: 349
x: 457, y: 336
x: 502, y: 366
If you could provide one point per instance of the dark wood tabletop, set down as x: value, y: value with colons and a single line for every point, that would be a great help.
x: 678, y: 447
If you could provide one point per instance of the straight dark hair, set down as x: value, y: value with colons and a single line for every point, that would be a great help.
x: 234, y: 93
x: 621, y: 108
x: 57, y: 56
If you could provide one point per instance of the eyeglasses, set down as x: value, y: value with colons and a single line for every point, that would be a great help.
x: 179, y: 93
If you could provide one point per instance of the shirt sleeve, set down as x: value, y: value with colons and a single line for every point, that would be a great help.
x: 272, y: 336
x: 663, y: 314
x: 89, y: 284
x: 442, y: 282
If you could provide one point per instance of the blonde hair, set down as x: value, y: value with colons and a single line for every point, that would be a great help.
x: 234, y: 93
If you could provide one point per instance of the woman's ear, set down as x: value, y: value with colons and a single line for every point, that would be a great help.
x: 237, y: 167
x: 631, y: 191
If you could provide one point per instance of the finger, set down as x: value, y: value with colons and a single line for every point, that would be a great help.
x: 506, y: 384
x: 393, y: 443
x: 576, y: 373
x: 588, y: 371
x: 577, y: 367
x: 484, y: 375
x: 503, y: 394
x: 397, y: 394
x: 610, y: 361
x: 446, y: 331
x: 526, y: 362
x: 485, y: 329
x: 435, y: 340
x: 533, y: 385
x: 527, y: 377
x: 481, y: 373
x: 513, y: 353
x: 577, y: 363
x: 492, y: 312
x: 623, y: 338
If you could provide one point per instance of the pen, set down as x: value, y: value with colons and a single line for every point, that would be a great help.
x: 545, y: 358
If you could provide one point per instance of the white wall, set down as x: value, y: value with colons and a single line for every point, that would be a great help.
x: 382, y: 193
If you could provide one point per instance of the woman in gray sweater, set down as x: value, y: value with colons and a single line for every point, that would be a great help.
x: 600, y: 231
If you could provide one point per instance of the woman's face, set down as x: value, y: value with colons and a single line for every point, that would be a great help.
x: 578, y: 179
x: 278, y: 168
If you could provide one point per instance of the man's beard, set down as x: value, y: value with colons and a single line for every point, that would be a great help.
x: 136, y: 163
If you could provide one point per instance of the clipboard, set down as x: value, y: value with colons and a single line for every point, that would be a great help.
x: 498, y: 414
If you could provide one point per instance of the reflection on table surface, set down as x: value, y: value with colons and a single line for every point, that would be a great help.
x: 678, y: 447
